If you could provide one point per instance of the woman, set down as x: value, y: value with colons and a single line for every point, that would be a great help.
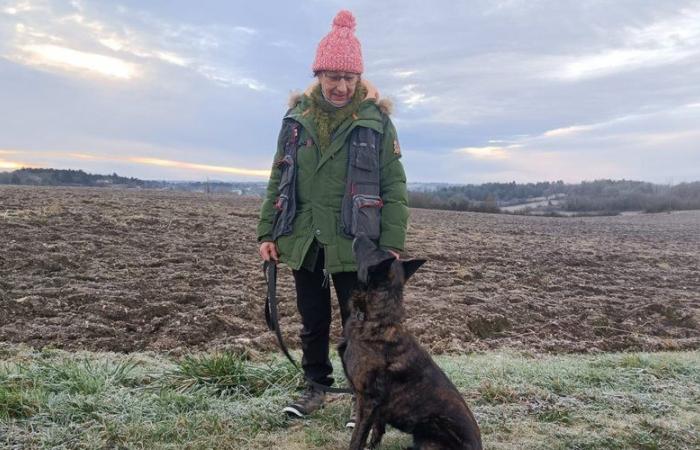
x: 337, y: 173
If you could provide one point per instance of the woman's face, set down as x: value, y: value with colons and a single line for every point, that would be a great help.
x: 338, y: 87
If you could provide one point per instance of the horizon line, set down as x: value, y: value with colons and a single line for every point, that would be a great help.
x: 207, y: 180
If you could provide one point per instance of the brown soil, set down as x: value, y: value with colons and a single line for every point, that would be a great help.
x: 127, y: 270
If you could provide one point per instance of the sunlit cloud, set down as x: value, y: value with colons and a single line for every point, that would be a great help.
x: 411, y: 96
x: 12, y: 165
x: 160, y: 162
x: 120, y: 45
x: 487, y: 152
x: 172, y: 58
x: 71, y: 59
x: 17, y: 8
x: 113, y: 43
x: 88, y: 157
x: 92, y: 25
x: 28, y: 32
x: 177, y: 44
x: 200, y: 167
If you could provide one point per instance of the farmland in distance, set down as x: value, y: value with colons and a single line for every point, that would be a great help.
x: 128, y: 270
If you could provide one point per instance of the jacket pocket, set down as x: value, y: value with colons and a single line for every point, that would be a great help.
x: 365, y: 156
x: 366, y: 215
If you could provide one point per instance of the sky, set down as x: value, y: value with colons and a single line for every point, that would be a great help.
x: 484, y: 91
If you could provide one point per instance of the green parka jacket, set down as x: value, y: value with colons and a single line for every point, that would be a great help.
x: 321, y: 182
x: 321, y: 186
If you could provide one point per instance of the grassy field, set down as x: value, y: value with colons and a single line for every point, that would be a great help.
x: 55, y: 399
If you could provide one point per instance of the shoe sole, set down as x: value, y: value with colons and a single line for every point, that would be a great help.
x: 291, y: 411
x: 350, y: 425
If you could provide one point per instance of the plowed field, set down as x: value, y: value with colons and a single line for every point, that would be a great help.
x: 125, y: 270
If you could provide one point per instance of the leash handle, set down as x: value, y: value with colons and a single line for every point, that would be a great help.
x: 271, y: 312
x: 272, y: 319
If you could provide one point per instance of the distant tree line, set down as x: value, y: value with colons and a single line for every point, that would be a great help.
x: 65, y: 177
x: 503, y: 192
x: 487, y: 197
x: 599, y: 196
x: 625, y: 195
x: 209, y: 187
x: 69, y: 177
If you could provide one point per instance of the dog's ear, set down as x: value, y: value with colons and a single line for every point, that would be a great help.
x: 363, y: 247
x: 383, y: 265
x: 369, y: 257
x: 410, y: 266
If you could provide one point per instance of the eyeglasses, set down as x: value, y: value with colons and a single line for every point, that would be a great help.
x: 334, y: 77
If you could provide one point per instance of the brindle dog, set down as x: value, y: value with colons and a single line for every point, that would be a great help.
x: 395, y: 380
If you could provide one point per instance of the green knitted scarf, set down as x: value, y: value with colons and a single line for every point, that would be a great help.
x: 328, y: 117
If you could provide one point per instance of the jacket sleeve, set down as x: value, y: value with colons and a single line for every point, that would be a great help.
x: 394, y: 219
x: 267, y: 210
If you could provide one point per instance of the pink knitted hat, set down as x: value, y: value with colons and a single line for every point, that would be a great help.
x: 340, y: 50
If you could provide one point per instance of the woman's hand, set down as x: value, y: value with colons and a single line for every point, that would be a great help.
x: 396, y: 255
x: 268, y: 251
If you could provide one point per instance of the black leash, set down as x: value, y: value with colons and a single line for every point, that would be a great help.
x: 272, y: 319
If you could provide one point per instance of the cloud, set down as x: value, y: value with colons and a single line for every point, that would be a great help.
x: 488, y: 152
x: 120, y: 45
x: 484, y: 90
x: 7, y: 164
x: 49, y: 158
x: 71, y: 59
x: 641, y: 146
x: 618, y: 60
x: 567, y: 131
x: 404, y: 73
x: 246, y: 30
x: 226, y: 78
x: 11, y: 165
x: 127, y: 44
x: 200, y: 167
x: 17, y: 8
x: 411, y: 96
x: 662, y: 42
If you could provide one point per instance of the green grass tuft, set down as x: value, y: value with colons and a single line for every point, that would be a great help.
x: 19, y: 402
x: 228, y: 373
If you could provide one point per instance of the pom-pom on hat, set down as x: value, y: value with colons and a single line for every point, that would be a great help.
x: 340, y: 50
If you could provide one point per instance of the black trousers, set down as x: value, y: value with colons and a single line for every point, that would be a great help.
x: 314, y: 304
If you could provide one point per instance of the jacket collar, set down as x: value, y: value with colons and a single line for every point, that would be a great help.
x: 368, y: 115
x: 385, y: 105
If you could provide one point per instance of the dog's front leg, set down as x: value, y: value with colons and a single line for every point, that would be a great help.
x: 366, y: 414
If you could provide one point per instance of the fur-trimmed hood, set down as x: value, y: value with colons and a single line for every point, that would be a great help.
x: 385, y: 105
